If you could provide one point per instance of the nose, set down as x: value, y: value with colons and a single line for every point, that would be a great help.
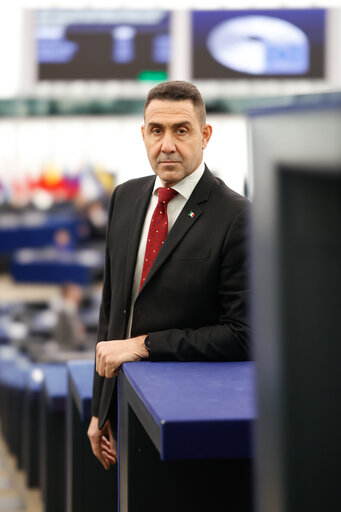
x: 168, y: 145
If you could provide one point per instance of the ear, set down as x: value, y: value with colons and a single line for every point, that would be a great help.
x: 142, y: 132
x: 206, y: 135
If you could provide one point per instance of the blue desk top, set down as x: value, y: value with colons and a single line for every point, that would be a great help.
x: 14, y: 376
x: 81, y: 378
x: 14, y: 368
x: 204, y: 410
x: 17, y: 371
x: 53, y: 266
x: 55, y: 386
x: 33, y: 230
x: 35, y: 379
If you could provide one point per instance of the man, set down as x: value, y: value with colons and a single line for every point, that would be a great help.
x: 183, y: 297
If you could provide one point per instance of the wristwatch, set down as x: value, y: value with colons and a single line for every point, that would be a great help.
x: 147, y: 343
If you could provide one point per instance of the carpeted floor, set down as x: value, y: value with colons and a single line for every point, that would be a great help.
x: 14, y: 495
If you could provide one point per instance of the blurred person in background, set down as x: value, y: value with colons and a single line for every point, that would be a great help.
x: 175, y: 283
x: 69, y: 331
x: 58, y: 331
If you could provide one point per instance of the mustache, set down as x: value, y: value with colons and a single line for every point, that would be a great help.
x: 168, y: 159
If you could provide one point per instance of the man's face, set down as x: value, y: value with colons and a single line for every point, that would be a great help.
x: 174, y: 139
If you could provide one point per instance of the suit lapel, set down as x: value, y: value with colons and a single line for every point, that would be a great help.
x: 138, y: 214
x: 189, y: 215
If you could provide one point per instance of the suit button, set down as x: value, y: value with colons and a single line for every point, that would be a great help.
x: 125, y: 312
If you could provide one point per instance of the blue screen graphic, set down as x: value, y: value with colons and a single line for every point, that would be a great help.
x: 258, y: 43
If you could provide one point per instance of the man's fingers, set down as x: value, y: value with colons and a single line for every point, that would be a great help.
x: 98, y: 452
x: 108, y: 447
x: 100, y: 445
x: 109, y: 451
x: 109, y: 457
x: 99, y: 359
x: 106, y: 459
x: 112, y: 440
x: 110, y: 355
x: 106, y: 442
x: 104, y: 366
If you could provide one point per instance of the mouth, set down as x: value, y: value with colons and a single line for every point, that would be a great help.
x: 169, y: 162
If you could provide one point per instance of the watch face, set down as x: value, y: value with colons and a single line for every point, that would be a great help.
x: 147, y: 343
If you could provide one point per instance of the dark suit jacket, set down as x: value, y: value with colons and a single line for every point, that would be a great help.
x: 193, y: 304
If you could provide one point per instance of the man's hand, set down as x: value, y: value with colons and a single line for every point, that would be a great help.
x: 102, y: 442
x: 110, y: 355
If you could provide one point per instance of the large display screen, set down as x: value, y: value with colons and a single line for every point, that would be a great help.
x: 258, y: 44
x: 92, y: 44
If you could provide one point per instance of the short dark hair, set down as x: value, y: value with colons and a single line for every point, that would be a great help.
x: 178, y: 90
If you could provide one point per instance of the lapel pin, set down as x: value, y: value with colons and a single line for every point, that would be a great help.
x: 191, y: 214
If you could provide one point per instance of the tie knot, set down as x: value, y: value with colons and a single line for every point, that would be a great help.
x: 166, y: 194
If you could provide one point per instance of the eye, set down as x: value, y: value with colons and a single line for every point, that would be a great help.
x: 156, y: 131
x: 182, y: 131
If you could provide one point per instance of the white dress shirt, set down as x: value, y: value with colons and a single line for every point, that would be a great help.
x: 184, y: 188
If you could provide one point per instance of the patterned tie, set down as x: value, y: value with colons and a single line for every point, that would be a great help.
x: 158, y: 230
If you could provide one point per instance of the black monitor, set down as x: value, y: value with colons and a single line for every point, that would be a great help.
x: 99, y: 44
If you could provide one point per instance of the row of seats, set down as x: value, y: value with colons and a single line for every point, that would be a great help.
x: 45, y: 411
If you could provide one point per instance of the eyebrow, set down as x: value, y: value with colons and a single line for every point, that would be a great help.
x: 175, y: 125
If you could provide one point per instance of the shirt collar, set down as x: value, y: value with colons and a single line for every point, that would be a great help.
x: 186, y: 186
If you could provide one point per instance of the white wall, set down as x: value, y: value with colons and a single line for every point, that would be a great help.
x: 115, y: 143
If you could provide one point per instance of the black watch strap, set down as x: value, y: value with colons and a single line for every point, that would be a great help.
x: 147, y: 343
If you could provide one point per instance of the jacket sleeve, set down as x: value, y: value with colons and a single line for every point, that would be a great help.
x: 104, y: 313
x: 229, y: 338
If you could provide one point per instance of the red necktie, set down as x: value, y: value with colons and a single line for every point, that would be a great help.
x: 158, y: 230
